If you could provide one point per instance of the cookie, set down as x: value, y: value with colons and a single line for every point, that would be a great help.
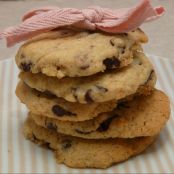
x: 45, y: 103
x: 58, y: 108
x: 143, y: 116
x: 72, y: 53
x: 82, y: 153
x: 102, y: 87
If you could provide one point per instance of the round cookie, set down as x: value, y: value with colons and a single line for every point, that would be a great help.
x: 143, y: 116
x: 81, y: 153
x: 77, y: 53
x: 58, y: 108
x: 47, y: 104
x: 102, y: 87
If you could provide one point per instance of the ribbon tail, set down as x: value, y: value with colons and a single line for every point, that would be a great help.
x: 132, y: 18
x: 41, y: 23
x: 160, y: 11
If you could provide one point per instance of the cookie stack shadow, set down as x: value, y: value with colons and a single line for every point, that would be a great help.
x: 90, y: 95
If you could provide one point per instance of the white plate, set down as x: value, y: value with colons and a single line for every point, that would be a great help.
x: 18, y: 155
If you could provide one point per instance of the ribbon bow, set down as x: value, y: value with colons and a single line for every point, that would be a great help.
x: 93, y: 18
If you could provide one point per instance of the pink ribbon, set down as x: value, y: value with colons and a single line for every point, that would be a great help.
x: 93, y: 18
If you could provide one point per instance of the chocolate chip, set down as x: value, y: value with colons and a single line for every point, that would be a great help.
x: 101, y: 88
x: 51, y: 126
x: 81, y: 132
x: 88, y: 97
x: 83, y: 67
x: 111, y: 63
x: 112, y: 42
x: 66, y: 144
x: 25, y: 66
x: 59, y: 111
x: 105, y: 124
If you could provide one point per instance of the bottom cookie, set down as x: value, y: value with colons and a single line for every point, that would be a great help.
x: 83, y: 153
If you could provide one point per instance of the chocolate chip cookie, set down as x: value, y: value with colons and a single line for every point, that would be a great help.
x: 49, y: 105
x: 102, y: 87
x: 143, y: 116
x: 73, y: 53
x: 82, y: 153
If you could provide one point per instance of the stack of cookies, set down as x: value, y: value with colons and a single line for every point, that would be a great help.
x: 91, y: 96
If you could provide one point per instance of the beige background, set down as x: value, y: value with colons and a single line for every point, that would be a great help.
x: 160, y: 32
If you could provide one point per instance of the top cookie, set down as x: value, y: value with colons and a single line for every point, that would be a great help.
x: 73, y: 53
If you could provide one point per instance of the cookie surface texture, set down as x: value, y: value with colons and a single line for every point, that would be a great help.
x: 67, y: 53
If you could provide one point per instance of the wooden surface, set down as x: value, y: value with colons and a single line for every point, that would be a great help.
x: 160, y: 32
